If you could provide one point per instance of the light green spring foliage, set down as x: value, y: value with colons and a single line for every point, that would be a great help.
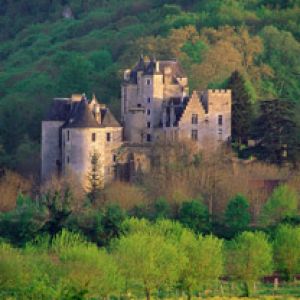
x: 87, y: 267
x: 148, y: 259
x: 204, y: 260
x: 249, y: 257
x: 283, y: 203
x: 287, y: 249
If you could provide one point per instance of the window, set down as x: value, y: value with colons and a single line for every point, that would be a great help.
x: 114, y: 158
x: 148, y: 137
x: 139, y: 105
x: 148, y: 124
x: 194, y: 119
x: 148, y: 81
x: 93, y: 137
x: 194, y: 135
x: 68, y: 135
x: 148, y: 112
x: 148, y: 99
x: 108, y: 136
x: 220, y: 120
x: 68, y: 159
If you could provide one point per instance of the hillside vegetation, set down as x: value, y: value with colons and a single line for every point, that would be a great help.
x: 43, y: 54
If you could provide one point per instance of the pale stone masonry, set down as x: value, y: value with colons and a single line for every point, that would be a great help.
x: 155, y: 105
x: 74, y: 131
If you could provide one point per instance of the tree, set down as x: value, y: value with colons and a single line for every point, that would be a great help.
x: 205, y: 261
x: 283, y: 203
x: 276, y: 132
x: 249, y: 257
x: 287, y: 250
x: 148, y: 261
x: 75, y: 75
x: 237, y: 216
x: 194, y: 215
x: 95, y: 178
x: 242, y: 112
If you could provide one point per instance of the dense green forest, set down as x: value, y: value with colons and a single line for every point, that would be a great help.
x: 45, y: 54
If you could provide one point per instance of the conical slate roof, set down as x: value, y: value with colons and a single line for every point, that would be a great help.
x: 108, y: 120
x: 83, y: 117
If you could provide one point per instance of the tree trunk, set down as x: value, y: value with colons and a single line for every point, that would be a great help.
x: 148, y: 294
x: 189, y: 296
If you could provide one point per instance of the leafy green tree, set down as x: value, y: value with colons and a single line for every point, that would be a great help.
x: 287, y: 250
x: 205, y: 261
x: 237, y: 216
x: 283, y: 203
x: 249, y: 257
x: 148, y: 261
x: 95, y: 178
x: 75, y: 75
x: 162, y: 209
x: 276, y: 132
x: 24, y: 222
x: 194, y: 215
x: 242, y: 111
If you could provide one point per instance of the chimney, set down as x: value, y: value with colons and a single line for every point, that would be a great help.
x: 97, y: 113
x: 157, y: 66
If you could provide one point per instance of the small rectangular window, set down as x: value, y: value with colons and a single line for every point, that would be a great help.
x: 148, y: 112
x: 108, y: 136
x: 149, y: 100
x: 68, y: 135
x: 68, y: 159
x: 139, y: 105
x: 148, y: 124
x: 220, y: 120
x: 194, y: 119
x: 148, y: 81
x: 114, y: 158
x: 195, y: 135
x: 93, y: 137
x: 148, y: 137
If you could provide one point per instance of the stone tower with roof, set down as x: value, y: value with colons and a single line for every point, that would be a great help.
x: 156, y: 105
x: 73, y: 132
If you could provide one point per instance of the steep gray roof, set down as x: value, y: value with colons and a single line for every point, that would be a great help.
x: 82, y: 117
x: 148, y: 67
x: 108, y: 120
x: 78, y: 114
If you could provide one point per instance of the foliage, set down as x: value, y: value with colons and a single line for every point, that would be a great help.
x: 283, y: 203
x: 194, y: 215
x: 249, y: 257
x: 237, y: 216
x: 286, y: 250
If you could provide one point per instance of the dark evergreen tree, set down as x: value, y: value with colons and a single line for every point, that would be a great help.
x: 242, y: 111
x: 276, y: 132
x: 95, y: 178
x: 237, y: 216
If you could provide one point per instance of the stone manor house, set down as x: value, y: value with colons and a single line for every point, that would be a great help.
x: 155, y: 105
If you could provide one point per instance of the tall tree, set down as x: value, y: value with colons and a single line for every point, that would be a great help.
x: 237, y: 216
x: 287, y: 250
x: 249, y: 257
x: 276, y: 132
x: 242, y: 111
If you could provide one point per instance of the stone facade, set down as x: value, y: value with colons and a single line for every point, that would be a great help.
x: 155, y: 105
x: 73, y: 133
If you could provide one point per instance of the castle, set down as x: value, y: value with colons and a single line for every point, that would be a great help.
x: 155, y: 105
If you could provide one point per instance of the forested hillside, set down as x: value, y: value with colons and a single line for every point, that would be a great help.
x: 57, y: 47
